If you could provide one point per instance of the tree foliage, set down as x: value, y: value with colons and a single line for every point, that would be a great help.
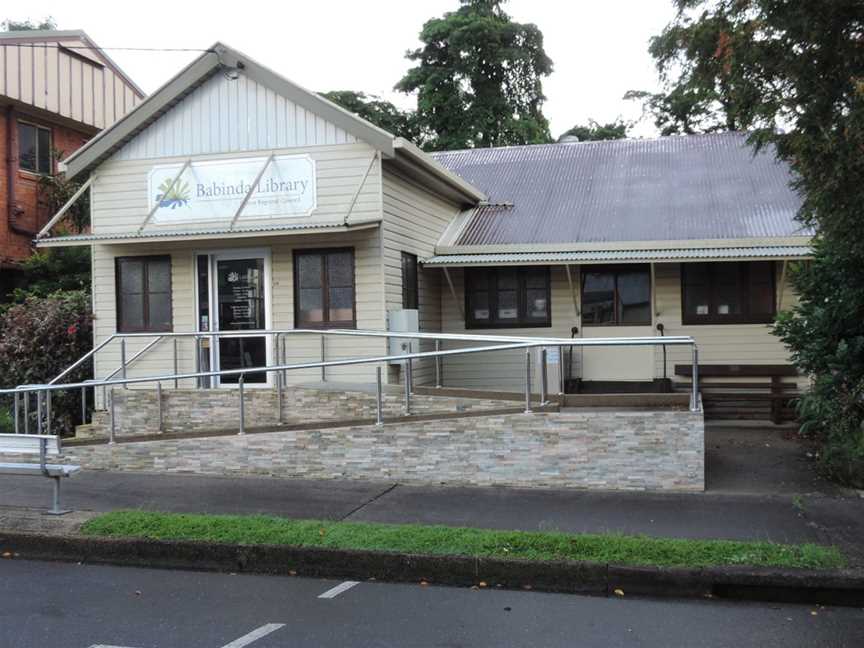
x: 793, y: 74
x: 594, y: 131
x: 380, y: 112
x: 478, y: 79
x: 28, y: 25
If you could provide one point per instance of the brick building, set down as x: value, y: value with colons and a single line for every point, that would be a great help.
x: 57, y: 90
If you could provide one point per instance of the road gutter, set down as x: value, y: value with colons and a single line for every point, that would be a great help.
x: 840, y: 587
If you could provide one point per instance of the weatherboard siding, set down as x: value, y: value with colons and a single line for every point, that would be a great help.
x: 75, y: 84
x: 718, y: 344
x: 120, y: 203
x: 414, y: 220
x: 225, y: 116
x: 305, y: 348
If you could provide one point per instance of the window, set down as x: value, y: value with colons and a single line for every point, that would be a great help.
x: 507, y: 297
x: 324, y: 289
x: 728, y: 292
x: 410, y: 293
x: 616, y: 296
x: 34, y: 148
x: 143, y: 294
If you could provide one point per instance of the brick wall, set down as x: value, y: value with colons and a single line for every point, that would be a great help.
x: 32, y: 214
x: 659, y: 450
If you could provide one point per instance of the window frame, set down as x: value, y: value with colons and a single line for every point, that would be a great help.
x: 691, y: 319
x: 325, y: 289
x: 522, y: 320
x: 37, y: 128
x: 616, y: 269
x: 145, y: 310
x: 410, y: 261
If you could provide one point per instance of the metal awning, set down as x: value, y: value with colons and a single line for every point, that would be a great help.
x: 780, y: 252
x: 203, y: 234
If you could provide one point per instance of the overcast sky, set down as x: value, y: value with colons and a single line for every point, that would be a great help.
x: 599, y: 47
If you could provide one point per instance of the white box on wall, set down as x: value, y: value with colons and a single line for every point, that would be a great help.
x: 403, y: 321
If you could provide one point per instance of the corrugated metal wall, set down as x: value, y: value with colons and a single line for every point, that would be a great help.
x: 227, y: 116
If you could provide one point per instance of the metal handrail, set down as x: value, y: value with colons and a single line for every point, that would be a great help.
x: 510, y: 343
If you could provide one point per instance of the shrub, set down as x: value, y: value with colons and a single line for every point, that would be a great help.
x: 38, y: 339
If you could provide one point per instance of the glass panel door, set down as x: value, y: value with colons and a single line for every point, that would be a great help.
x: 238, y: 301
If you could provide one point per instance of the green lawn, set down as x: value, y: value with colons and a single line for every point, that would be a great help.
x: 442, y: 540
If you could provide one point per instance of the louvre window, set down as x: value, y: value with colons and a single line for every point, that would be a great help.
x: 410, y: 292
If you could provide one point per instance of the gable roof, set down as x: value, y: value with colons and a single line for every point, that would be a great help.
x: 681, y: 188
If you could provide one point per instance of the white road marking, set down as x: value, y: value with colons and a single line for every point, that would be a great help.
x: 336, y: 591
x: 256, y: 634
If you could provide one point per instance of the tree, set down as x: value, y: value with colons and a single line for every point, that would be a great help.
x: 28, y: 25
x: 793, y: 73
x: 478, y: 79
x: 380, y: 112
x: 594, y: 131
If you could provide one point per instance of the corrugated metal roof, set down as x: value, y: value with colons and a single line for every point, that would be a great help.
x: 608, y: 256
x: 693, y: 187
x: 168, y: 234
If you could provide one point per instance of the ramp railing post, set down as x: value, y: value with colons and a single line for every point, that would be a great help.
x: 176, y: 364
x: 159, y: 406
x: 410, y: 368
x: 17, y: 415
x: 84, y: 405
x: 279, y: 398
x: 528, y: 381
x: 407, y: 381
x: 694, y: 396
x: 379, y: 397
x: 112, y: 431
x: 438, y: 361
x: 47, y: 411
x: 38, y: 412
x: 323, y: 357
x: 123, y: 361
x: 561, y: 371
x: 242, y: 405
x: 26, y: 396
x: 544, y: 378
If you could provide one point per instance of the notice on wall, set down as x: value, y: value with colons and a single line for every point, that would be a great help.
x: 214, y: 190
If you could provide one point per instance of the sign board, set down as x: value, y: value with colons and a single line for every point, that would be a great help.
x: 214, y: 190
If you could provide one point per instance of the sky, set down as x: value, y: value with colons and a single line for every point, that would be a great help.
x: 598, y: 47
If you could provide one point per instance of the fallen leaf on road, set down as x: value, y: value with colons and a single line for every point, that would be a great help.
x: 619, y: 592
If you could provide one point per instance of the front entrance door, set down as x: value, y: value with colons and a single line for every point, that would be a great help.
x: 237, y: 297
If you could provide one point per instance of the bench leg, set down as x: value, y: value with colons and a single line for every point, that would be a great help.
x: 55, y: 508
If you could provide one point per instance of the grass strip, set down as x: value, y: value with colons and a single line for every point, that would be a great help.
x: 458, y: 541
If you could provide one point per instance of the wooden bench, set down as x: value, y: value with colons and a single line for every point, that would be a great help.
x: 44, y: 446
x: 725, y: 398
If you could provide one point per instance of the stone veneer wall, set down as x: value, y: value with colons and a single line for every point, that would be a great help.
x: 203, y: 410
x: 625, y: 450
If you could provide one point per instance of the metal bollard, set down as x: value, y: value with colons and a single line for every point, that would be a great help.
x: 176, y: 364
x: 323, y: 356
x: 379, y: 398
x: 527, y: 381
x: 123, y: 361
x: 159, y: 406
x: 438, y: 360
x: 544, y: 379
x: 242, y: 406
x: 17, y: 416
x: 694, y: 396
x: 113, y: 429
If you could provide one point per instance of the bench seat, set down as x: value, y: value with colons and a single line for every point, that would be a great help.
x: 52, y: 470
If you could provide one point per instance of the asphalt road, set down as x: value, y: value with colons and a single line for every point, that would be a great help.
x: 48, y: 605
